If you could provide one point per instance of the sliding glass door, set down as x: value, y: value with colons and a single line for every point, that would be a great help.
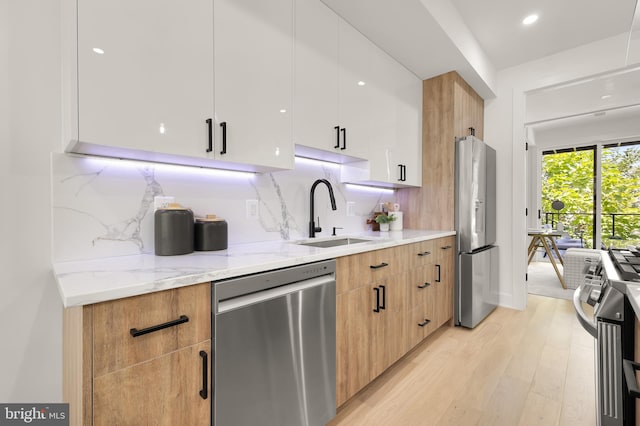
x: 598, y: 188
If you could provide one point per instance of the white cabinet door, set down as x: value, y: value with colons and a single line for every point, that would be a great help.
x: 144, y: 76
x: 253, y: 82
x: 316, y: 77
x: 361, y: 100
x: 392, y: 101
x: 406, y: 155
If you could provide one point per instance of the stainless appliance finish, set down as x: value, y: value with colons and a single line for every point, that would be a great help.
x: 477, y: 261
x: 479, y: 294
x: 274, y: 347
x: 612, y: 326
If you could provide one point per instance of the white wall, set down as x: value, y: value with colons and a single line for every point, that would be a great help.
x: 504, y: 129
x: 30, y: 308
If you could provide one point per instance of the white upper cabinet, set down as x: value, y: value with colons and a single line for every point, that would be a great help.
x: 316, y: 81
x: 142, y: 77
x: 363, y: 99
x: 399, y: 161
x: 254, y: 82
x: 390, y: 125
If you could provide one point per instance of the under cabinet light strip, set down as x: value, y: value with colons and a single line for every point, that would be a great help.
x: 175, y: 168
x: 368, y: 188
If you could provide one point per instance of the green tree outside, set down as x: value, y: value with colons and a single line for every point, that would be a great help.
x: 568, y: 177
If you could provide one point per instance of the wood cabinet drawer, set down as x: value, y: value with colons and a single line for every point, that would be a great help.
x: 114, y: 346
x: 422, y: 253
x: 362, y: 269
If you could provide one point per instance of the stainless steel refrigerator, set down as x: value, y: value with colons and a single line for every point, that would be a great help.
x: 476, y: 291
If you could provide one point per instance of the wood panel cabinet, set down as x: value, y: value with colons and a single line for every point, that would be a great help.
x: 421, y: 292
x: 388, y: 301
x: 444, y: 280
x: 140, y: 360
x: 370, y: 316
x: 449, y: 107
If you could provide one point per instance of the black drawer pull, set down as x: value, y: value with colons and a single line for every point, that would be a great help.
x: 422, y: 324
x: 382, y: 265
x: 445, y: 247
x: 424, y: 253
x: 438, y: 270
x: 204, y: 392
x: 425, y: 285
x: 135, y: 332
x: 377, y: 308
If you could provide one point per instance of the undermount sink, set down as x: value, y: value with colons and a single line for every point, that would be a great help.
x: 333, y: 242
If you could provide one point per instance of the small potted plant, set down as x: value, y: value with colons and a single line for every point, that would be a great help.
x: 384, y: 220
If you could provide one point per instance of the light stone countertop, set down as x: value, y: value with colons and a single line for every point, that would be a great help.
x: 93, y: 281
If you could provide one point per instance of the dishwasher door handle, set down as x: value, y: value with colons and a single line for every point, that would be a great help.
x: 272, y: 293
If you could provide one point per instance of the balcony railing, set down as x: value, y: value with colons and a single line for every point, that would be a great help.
x: 619, y: 229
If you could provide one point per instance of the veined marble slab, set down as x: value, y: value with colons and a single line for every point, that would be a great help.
x: 99, y: 280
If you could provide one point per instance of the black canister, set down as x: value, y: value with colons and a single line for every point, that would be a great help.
x: 173, y: 231
x: 210, y: 234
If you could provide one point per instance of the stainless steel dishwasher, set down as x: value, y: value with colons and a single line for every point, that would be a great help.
x: 274, y: 347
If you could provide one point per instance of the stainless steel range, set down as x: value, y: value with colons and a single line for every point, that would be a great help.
x: 612, y: 325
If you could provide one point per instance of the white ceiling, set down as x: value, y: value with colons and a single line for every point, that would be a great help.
x: 564, y: 24
x: 479, y: 37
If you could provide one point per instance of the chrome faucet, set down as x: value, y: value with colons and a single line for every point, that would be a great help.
x: 312, y: 225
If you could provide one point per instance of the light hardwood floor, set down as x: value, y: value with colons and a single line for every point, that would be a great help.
x: 532, y: 367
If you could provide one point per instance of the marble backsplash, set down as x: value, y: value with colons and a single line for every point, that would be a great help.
x: 105, y: 207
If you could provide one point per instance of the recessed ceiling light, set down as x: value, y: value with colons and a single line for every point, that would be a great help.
x: 361, y: 83
x: 530, y: 19
x: 98, y: 51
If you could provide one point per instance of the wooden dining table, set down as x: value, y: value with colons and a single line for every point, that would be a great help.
x: 546, y: 240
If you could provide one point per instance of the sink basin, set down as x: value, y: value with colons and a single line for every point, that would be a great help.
x: 333, y: 242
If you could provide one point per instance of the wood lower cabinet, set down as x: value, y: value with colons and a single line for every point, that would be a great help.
x: 161, y: 391
x: 444, y: 280
x: 370, y: 316
x: 140, y: 360
x: 388, y: 301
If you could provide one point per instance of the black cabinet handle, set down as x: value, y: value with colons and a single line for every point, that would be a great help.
x: 422, y: 324
x: 447, y: 247
x: 438, y: 270
x: 224, y: 137
x: 425, y: 285
x: 204, y: 392
x: 424, y: 253
x: 337, y: 137
x: 382, y: 265
x: 384, y: 297
x: 135, y: 332
x: 344, y: 138
x: 210, y: 127
x: 403, y: 172
x: 377, y: 308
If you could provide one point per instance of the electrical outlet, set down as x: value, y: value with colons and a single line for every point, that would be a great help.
x: 351, y: 208
x: 162, y: 202
x: 252, y: 209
